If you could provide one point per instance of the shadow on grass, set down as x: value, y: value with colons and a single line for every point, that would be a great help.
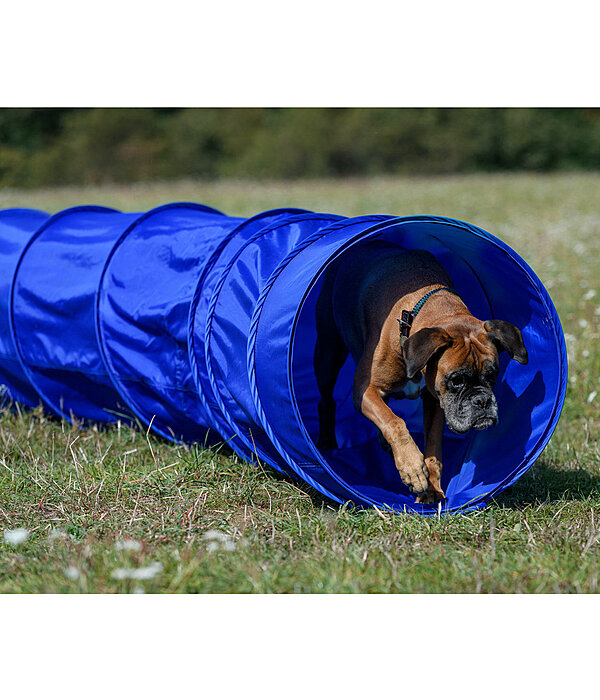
x: 543, y: 483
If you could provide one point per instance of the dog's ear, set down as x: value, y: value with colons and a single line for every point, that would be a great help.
x: 507, y: 337
x: 420, y: 347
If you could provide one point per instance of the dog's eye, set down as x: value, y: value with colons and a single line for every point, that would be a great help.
x: 457, y: 381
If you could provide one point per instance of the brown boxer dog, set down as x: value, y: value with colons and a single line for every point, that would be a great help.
x: 362, y: 300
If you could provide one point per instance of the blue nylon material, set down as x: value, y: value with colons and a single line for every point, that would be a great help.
x: 292, y: 451
x: 143, y: 312
x: 194, y: 321
x: 16, y: 228
x: 53, y: 312
x: 242, y: 282
x: 201, y: 315
x: 477, y: 465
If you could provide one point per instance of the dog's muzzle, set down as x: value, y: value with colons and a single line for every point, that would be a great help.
x: 476, y: 411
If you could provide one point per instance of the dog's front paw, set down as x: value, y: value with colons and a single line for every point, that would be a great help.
x: 412, y: 468
x: 435, y: 492
x: 432, y: 495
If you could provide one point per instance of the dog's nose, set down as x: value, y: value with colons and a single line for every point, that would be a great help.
x: 481, y: 401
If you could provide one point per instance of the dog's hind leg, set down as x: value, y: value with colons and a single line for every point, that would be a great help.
x: 433, y: 424
x: 329, y: 357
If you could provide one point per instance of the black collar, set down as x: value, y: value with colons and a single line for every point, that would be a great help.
x: 408, y: 317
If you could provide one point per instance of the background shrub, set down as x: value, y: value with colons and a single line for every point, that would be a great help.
x: 82, y: 146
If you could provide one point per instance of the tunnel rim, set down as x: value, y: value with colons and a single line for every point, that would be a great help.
x: 251, y: 345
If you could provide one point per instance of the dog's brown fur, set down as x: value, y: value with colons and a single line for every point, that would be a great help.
x: 362, y: 296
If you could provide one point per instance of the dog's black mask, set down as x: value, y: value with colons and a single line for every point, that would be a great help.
x: 468, y: 400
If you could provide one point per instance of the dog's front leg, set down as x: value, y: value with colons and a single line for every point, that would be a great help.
x: 407, y: 456
x: 433, y: 423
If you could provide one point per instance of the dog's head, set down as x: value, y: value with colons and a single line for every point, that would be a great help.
x: 460, y: 364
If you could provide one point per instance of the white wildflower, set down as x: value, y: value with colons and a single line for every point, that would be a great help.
x: 219, y: 540
x: 128, y: 545
x: 583, y: 323
x: 56, y: 533
x: 590, y: 294
x: 72, y: 573
x: 140, y: 574
x: 591, y: 396
x: 597, y: 311
x: 586, y: 353
x: 16, y: 536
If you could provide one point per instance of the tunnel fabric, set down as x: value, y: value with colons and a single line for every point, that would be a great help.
x: 53, y: 312
x: 202, y: 327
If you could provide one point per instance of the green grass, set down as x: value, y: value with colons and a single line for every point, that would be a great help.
x: 82, y: 491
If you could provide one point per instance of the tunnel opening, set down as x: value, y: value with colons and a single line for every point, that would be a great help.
x: 494, y: 285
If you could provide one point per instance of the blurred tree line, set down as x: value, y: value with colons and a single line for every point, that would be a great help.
x: 65, y: 146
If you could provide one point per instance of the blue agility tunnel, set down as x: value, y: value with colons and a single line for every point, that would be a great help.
x: 202, y: 326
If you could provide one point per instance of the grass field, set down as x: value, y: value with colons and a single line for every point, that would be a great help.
x: 116, y: 510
